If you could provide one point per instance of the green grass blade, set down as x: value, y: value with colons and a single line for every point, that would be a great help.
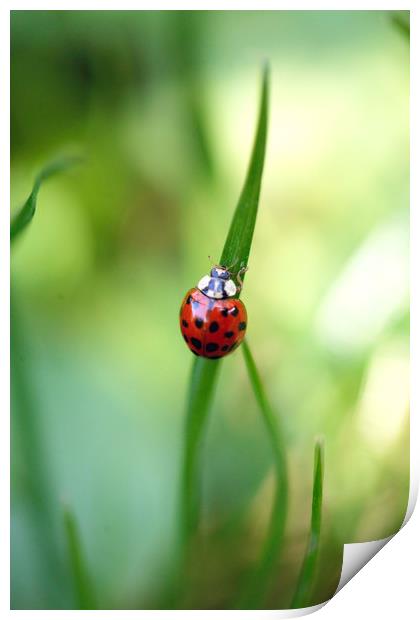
x: 201, y: 391
x: 82, y: 585
x: 302, y: 596
x: 238, y: 243
x: 204, y: 373
x: 188, y: 30
x: 259, y: 582
x: 25, y: 413
x: 26, y: 431
x: 24, y: 216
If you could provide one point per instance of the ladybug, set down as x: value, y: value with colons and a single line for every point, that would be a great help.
x: 212, y: 321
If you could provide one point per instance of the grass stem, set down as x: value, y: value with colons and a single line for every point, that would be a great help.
x: 259, y: 582
x: 201, y: 391
x: 23, y: 217
x: 204, y: 373
x: 83, y: 591
x: 302, y: 596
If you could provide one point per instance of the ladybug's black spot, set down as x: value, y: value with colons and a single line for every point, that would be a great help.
x: 214, y: 326
x: 184, y: 322
x: 196, y: 343
x: 228, y: 334
x: 188, y: 299
x: 225, y: 347
x: 212, y: 346
x: 234, y: 311
x: 224, y: 312
x: 242, y: 326
x: 185, y: 338
x: 199, y: 323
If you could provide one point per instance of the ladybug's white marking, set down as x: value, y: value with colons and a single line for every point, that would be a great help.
x: 230, y: 288
x: 204, y: 283
x: 218, y: 285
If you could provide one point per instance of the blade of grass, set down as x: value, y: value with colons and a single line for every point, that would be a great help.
x: 258, y: 584
x: 187, y: 27
x: 25, y: 413
x: 305, y: 583
x: 83, y: 591
x: 204, y: 373
x: 238, y: 242
x: 26, y: 432
x: 201, y: 391
x: 24, y: 216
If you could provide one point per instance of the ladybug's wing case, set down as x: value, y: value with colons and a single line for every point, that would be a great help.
x: 193, y: 317
x: 212, y: 328
x: 226, y: 328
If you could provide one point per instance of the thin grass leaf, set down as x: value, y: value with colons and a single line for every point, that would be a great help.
x: 302, y: 596
x: 188, y: 29
x: 25, y: 412
x: 24, y: 216
x: 35, y: 475
x: 204, y: 372
x: 201, y: 391
x: 238, y: 243
x: 83, y: 591
x: 258, y: 584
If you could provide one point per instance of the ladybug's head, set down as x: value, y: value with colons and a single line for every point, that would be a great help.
x: 219, y: 284
x: 220, y: 272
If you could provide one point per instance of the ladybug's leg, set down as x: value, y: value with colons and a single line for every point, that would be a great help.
x: 238, y: 277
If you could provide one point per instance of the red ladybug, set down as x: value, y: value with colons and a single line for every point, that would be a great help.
x: 212, y: 322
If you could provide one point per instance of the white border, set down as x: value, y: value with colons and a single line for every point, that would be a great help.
x: 344, y: 605
x: 217, y: 5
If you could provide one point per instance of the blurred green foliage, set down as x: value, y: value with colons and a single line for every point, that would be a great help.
x: 160, y: 103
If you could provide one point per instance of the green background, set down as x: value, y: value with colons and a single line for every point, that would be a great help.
x: 162, y: 106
